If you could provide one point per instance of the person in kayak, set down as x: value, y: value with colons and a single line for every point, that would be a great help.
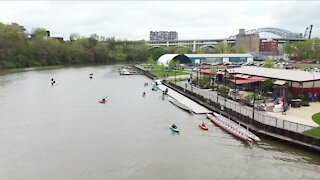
x: 166, y: 91
x: 144, y: 94
x: 174, y: 126
x: 203, y: 124
x: 52, y: 81
x: 103, y: 100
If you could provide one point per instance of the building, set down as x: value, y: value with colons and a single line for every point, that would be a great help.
x: 163, y: 35
x: 251, y: 42
x: 296, y: 82
x: 219, y: 58
x: 206, y: 58
x: 269, y: 46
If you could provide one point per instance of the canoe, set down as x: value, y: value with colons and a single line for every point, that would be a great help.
x: 174, y: 129
x: 204, y: 127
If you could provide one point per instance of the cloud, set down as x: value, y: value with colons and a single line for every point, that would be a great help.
x: 134, y: 19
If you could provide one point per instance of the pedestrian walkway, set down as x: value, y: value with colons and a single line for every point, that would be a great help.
x: 196, y: 108
x: 285, y: 122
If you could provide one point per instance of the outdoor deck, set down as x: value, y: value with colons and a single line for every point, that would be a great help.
x: 294, y: 120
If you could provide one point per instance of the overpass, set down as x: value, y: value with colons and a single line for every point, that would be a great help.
x: 201, y: 43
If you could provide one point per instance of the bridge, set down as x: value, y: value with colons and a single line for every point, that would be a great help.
x: 202, y: 43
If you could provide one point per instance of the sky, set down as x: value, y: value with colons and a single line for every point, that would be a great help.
x: 133, y: 20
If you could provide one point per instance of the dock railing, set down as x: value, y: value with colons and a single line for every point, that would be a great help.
x: 259, y: 116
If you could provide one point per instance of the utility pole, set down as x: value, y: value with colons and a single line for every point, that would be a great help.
x: 175, y: 76
x: 225, y: 86
x: 253, y: 103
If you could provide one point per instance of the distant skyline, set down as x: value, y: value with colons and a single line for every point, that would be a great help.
x: 133, y: 20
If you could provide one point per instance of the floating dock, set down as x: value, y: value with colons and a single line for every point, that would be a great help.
x: 195, y: 107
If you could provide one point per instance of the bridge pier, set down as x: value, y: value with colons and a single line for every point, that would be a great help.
x: 194, y: 47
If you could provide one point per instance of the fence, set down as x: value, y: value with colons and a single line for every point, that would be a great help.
x: 244, y: 114
x: 248, y: 111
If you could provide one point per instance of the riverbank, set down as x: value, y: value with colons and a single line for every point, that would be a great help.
x: 287, y: 136
x: 36, y: 68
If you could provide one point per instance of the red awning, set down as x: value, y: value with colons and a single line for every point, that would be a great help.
x: 248, y: 80
x: 207, y: 71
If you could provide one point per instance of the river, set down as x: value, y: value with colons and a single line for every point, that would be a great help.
x: 61, y: 132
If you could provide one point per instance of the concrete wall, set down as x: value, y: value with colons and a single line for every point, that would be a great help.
x: 251, y: 42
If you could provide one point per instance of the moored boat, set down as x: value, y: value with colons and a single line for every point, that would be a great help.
x: 225, y: 124
x: 240, y: 128
x: 127, y: 72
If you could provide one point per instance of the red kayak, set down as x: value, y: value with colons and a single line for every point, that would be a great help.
x: 204, y: 127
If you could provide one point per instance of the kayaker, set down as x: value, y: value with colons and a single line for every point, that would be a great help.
x: 103, y: 100
x: 174, y: 126
x: 203, y: 124
x: 166, y: 91
x: 144, y: 94
x: 52, y: 81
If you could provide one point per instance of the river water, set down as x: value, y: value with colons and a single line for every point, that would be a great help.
x: 61, y: 132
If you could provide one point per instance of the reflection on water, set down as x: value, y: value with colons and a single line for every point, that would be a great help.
x: 62, y: 132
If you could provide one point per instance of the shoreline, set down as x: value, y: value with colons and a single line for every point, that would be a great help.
x: 282, y: 135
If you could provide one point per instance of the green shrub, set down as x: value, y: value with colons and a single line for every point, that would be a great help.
x: 305, y: 103
x: 316, y: 118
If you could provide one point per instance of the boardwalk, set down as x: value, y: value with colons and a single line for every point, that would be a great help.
x: 196, y: 108
x: 264, y: 117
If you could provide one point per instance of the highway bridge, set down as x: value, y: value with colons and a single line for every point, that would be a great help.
x: 202, y: 43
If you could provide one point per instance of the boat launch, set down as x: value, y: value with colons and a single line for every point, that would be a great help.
x: 180, y: 105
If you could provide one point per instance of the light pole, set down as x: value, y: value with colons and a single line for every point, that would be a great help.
x: 254, y: 100
x: 175, y: 76
x: 235, y: 88
x: 225, y: 86
x: 197, y: 75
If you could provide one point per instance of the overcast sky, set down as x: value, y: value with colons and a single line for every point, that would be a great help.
x: 133, y: 20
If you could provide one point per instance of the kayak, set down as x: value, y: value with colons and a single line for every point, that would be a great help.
x: 102, y: 102
x: 204, y: 127
x: 174, y: 129
x: 54, y: 84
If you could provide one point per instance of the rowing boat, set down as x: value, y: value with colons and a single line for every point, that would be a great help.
x: 229, y: 127
x: 240, y: 128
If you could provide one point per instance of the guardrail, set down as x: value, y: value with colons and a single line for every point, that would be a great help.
x: 287, y: 131
x: 248, y: 111
x: 277, y: 128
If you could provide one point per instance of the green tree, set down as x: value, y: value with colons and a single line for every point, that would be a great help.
x: 182, y: 50
x: 200, y: 51
x: 268, y: 64
x: 222, y: 48
x: 238, y: 49
x: 172, y: 64
x: 155, y: 53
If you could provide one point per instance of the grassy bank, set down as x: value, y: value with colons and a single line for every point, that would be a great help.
x: 315, y: 132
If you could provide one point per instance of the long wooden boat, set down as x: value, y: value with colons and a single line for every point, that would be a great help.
x: 240, y: 128
x: 180, y: 105
x: 225, y: 124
